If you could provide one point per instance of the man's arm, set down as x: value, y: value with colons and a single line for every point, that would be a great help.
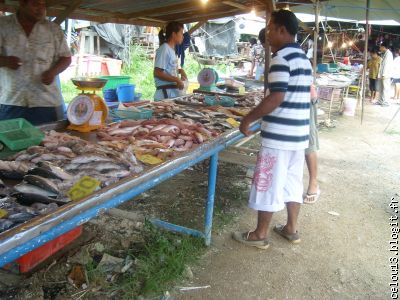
x: 49, y: 75
x: 11, y: 62
x: 268, y: 105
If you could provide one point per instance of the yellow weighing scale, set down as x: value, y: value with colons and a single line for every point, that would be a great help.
x: 87, y: 111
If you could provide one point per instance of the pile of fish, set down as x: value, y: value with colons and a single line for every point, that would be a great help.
x: 45, y: 173
x: 211, y: 117
x: 17, y: 207
x: 161, y: 138
x: 250, y: 99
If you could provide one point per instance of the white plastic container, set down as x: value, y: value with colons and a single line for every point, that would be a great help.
x: 350, y: 105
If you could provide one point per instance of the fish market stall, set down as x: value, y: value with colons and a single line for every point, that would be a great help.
x: 126, y: 157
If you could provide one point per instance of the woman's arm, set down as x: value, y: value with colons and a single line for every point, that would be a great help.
x: 159, y: 73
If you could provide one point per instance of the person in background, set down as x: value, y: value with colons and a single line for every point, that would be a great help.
x: 166, y: 67
x: 33, y: 51
x: 373, y: 66
x: 313, y: 191
x: 385, y: 75
x: 396, y: 74
x: 257, y: 54
x: 285, y: 113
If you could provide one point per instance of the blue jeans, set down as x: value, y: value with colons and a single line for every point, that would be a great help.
x: 35, y: 115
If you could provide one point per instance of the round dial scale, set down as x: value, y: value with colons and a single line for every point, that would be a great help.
x: 207, y: 77
x: 80, y: 110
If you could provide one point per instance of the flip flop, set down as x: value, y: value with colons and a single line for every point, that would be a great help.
x: 243, y: 237
x: 311, y: 198
x: 293, y: 238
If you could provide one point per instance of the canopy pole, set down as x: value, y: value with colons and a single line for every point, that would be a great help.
x: 269, y: 8
x: 364, y: 72
x: 316, y: 34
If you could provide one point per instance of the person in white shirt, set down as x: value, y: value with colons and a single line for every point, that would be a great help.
x: 33, y: 51
x: 385, y: 75
x: 396, y: 74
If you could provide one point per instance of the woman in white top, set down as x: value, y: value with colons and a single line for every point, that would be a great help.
x: 166, y: 68
x: 396, y: 74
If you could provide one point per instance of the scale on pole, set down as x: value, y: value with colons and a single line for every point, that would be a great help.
x: 87, y: 111
x: 208, y: 79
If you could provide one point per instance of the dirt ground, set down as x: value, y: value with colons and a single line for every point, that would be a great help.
x: 340, y: 257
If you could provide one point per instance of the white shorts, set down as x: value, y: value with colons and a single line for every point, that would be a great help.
x: 278, y: 179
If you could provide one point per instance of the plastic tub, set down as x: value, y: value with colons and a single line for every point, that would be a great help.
x: 110, y: 95
x: 126, y: 93
x: 350, y: 105
x: 114, y: 81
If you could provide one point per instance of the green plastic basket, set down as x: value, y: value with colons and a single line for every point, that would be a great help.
x: 119, y: 114
x: 114, y: 81
x: 222, y: 100
x: 18, y: 134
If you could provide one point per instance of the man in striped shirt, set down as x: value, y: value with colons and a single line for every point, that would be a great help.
x: 285, y: 113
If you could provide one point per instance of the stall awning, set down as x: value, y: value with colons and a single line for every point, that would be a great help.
x: 381, y: 10
x: 148, y: 12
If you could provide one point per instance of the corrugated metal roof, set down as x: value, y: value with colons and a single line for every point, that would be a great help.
x: 149, y: 12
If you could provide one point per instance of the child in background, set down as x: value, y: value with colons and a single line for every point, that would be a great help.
x: 373, y: 66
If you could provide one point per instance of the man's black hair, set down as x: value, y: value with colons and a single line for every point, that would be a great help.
x: 261, y: 36
x: 287, y: 19
x: 384, y: 44
x: 253, y: 41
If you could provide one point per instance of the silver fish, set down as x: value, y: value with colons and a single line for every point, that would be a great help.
x: 44, y: 208
x: 13, y: 170
x: 36, y: 150
x: 117, y: 173
x: 6, y: 224
x: 21, y: 217
x: 29, y: 199
x: 101, y: 166
x: 26, y: 188
x: 43, y: 183
x: 57, y: 171
x: 84, y: 159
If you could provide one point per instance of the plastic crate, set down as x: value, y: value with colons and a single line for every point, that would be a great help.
x: 119, y: 114
x: 221, y: 100
x: 18, y: 134
x: 114, y: 81
x: 30, y: 260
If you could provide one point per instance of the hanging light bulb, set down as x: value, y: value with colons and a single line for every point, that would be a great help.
x: 204, y: 1
x: 330, y: 44
x: 253, y: 12
x: 344, y: 45
x: 351, y: 43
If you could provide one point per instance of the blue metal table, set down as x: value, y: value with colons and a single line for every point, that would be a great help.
x: 29, y: 236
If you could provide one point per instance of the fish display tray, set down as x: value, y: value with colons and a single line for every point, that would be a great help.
x: 119, y: 114
x: 18, y: 134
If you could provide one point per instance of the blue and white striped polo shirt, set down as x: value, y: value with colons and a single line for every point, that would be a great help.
x: 287, y: 127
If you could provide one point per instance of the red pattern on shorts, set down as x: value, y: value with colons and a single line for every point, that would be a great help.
x: 263, y: 176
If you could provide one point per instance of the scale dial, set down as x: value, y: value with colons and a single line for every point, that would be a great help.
x: 80, y: 110
x: 207, y: 77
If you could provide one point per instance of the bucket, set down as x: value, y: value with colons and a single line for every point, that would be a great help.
x: 126, y: 92
x: 350, y: 105
x: 110, y: 95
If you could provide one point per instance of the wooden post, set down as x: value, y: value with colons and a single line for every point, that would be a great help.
x: 364, y: 72
x: 316, y: 34
x: 270, y: 7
